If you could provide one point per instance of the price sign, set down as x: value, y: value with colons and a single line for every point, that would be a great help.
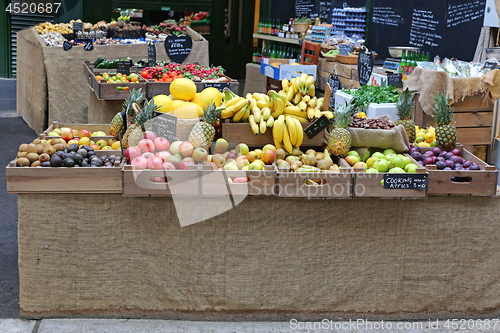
x: 164, y: 125
x: 317, y: 126
x: 123, y: 67
x: 77, y: 26
x: 218, y: 85
x: 67, y: 45
x: 178, y: 47
x: 343, y: 49
x: 491, y: 65
x: 351, y: 47
x: 409, y: 181
x: 151, y: 54
x: 395, y: 80
x: 365, y: 66
x: 334, y: 83
x: 89, y: 46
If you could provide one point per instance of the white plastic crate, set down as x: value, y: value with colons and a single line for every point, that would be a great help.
x: 374, y: 110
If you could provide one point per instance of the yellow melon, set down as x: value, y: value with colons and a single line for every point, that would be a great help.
x: 197, y: 99
x: 209, y: 96
x: 163, y: 102
x: 187, y: 110
x: 183, y: 88
x: 176, y: 103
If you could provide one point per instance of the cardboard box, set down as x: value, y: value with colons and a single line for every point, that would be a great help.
x: 279, y: 61
x: 287, y: 71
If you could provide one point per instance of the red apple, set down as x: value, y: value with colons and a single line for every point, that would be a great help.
x: 186, y: 149
x: 231, y: 155
x: 168, y: 166
x: 147, y: 146
x: 150, y: 136
x: 174, y: 147
x: 161, y: 144
x: 156, y: 164
x: 174, y: 160
x: 163, y: 155
x: 240, y: 180
x: 132, y: 152
x: 242, y: 162
x: 212, y: 164
x: 219, y: 160
x: 83, y: 133
x: 251, y: 156
x: 200, y: 154
x: 268, y: 156
x: 185, y: 164
x: 75, y: 134
x: 67, y: 133
x: 140, y: 163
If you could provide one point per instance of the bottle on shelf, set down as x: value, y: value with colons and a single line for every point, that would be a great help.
x: 414, y: 63
x: 259, y: 55
x: 402, y: 63
x: 273, y: 51
x: 259, y: 26
x: 254, y: 55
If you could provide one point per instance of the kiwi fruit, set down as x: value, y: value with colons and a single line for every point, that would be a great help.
x: 44, y: 157
x: 36, y: 164
x: 59, y: 146
x: 40, y: 149
x: 53, y: 142
x: 37, y: 141
x: 23, y: 162
x: 22, y: 154
x: 33, y: 157
x: 32, y: 148
x: 23, y: 147
x: 49, y: 150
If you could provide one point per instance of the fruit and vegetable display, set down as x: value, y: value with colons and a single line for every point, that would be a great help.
x: 370, y: 123
x: 58, y: 153
x: 47, y: 27
x: 451, y: 160
x: 310, y: 161
x: 166, y: 27
x: 118, y: 78
x: 377, y: 161
x: 457, y: 68
x: 364, y: 95
x: 84, y: 137
x: 101, y: 63
x: 194, y: 72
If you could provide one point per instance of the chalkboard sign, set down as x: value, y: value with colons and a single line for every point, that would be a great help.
x: 164, y: 125
x: 490, y: 65
x: 67, y: 45
x: 365, y: 66
x: 409, y: 181
x: 89, y: 46
x: 351, y: 47
x: 123, y: 67
x: 343, y: 49
x: 77, y: 26
x: 218, y: 85
x: 304, y: 8
x: 395, y: 80
x: 334, y: 83
x: 151, y: 54
x: 178, y: 47
x: 317, y: 126
x: 325, y: 11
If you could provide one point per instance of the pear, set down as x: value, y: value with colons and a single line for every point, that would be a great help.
x: 311, y: 152
x: 309, y: 159
x: 296, y: 152
x: 295, y: 165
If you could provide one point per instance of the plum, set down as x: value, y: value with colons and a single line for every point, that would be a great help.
x: 456, y: 159
x: 436, y: 151
x: 456, y: 152
x: 466, y: 164
x: 428, y: 153
x: 447, y: 169
x: 434, y: 159
x: 416, y: 155
x: 428, y: 160
x: 450, y: 164
x: 442, y: 154
x: 475, y: 167
x: 440, y: 165
x: 441, y: 159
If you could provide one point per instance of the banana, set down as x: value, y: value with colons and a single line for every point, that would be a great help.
x: 259, y: 97
x: 300, y: 119
x: 281, y: 92
x: 302, y: 106
x: 266, y: 97
x: 253, y: 103
x: 246, y: 115
x: 286, y: 140
x: 317, y: 113
x: 289, y: 95
x: 270, y: 121
x: 310, y: 113
x: 278, y: 126
x: 292, y: 109
x: 262, y: 127
x: 289, y: 104
x: 278, y: 145
x: 249, y: 96
x: 313, y: 101
x: 295, y: 85
x: 280, y: 107
x: 298, y: 98
x: 233, y: 101
x: 284, y: 85
x: 256, y: 114
x: 228, y: 113
x: 262, y: 104
x: 309, y: 81
x: 300, y: 132
x: 239, y: 114
x: 299, y: 113
x: 238, y: 106
x: 312, y: 91
x: 266, y: 112
x: 329, y: 114
x: 306, y: 99
x: 319, y: 103
x: 253, y: 125
x: 303, y: 79
x: 290, y: 125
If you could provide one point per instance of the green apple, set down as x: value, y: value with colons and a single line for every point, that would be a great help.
x: 411, y: 168
x: 390, y: 156
x: 389, y: 151
x: 353, y: 153
x: 396, y: 162
x: 382, y: 165
x: 370, y: 161
x: 372, y: 170
x: 396, y: 170
x: 406, y: 160
x: 378, y: 155
x: 367, y: 155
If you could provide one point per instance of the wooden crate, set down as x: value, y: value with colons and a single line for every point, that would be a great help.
x: 163, y: 88
x: 107, y: 91
x: 179, y: 182
x: 367, y: 185
x: 348, y: 74
x: 260, y: 182
x: 242, y: 132
x: 63, y: 180
x: 90, y: 127
x: 482, y: 182
x: 336, y: 185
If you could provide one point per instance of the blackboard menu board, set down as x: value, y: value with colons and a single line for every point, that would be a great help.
x: 164, y: 125
x: 304, y: 8
x: 178, y: 47
x: 325, y: 11
x: 408, y: 181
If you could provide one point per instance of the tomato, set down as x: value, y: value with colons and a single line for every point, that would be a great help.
x: 123, y: 80
x: 164, y: 76
x: 105, y: 76
x: 126, y: 88
x: 145, y: 74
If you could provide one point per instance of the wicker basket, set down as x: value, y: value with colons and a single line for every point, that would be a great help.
x: 348, y: 60
x: 301, y: 27
x: 329, y: 58
x: 184, y: 127
x: 326, y: 48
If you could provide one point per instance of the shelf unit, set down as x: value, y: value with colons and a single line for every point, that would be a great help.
x: 277, y: 39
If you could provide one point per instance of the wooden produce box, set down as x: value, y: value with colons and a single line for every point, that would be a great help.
x: 107, y: 91
x: 348, y: 74
x: 368, y: 185
x: 335, y: 185
x: 90, y: 127
x: 63, y: 180
x: 478, y: 182
x: 163, y: 88
x: 260, y: 182
x: 242, y: 132
x: 178, y: 182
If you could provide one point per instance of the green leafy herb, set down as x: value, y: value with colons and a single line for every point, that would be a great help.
x: 364, y: 95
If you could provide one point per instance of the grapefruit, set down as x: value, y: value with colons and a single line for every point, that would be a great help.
x: 183, y: 89
x: 163, y: 102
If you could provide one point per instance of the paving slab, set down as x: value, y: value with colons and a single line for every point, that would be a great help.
x: 16, y: 326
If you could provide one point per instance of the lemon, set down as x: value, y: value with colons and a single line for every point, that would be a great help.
x: 423, y: 144
x: 429, y: 137
x: 420, y: 138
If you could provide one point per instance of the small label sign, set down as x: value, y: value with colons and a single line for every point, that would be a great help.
x: 77, y: 26
x: 365, y: 66
x: 351, y: 47
x: 178, y: 47
x: 218, y: 85
x: 67, y: 45
x: 164, y: 125
x: 343, y: 49
x: 491, y: 65
x: 89, y: 46
x: 395, y: 80
x: 317, y: 126
x: 334, y: 83
x: 123, y: 67
x: 405, y: 181
x: 151, y: 54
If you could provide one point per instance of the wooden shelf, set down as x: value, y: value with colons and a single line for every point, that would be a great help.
x: 277, y: 39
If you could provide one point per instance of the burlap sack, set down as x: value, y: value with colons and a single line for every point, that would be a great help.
x: 184, y: 127
x: 395, y: 138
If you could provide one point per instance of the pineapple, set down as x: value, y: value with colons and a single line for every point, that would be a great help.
x: 203, y: 133
x: 405, y: 109
x: 446, y: 133
x: 339, y: 140
x: 135, y: 132
x: 118, y: 125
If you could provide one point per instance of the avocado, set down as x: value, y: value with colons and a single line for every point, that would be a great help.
x: 55, y: 161
x: 68, y: 155
x: 73, y: 147
x: 82, y: 152
x: 59, y: 153
x: 77, y: 158
x: 85, y: 164
x: 68, y: 162
x: 45, y: 164
x: 86, y: 147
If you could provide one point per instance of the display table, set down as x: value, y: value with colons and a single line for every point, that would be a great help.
x: 109, y: 256
x: 51, y: 83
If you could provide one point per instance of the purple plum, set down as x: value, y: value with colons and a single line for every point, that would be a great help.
x: 440, y: 158
x: 456, y: 152
x: 416, y: 155
x: 440, y: 165
x: 450, y: 164
x: 428, y: 153
x: 442, y: 154
x: 475, y: 167
x: 447, y: 169
x: 434, y: 159
x: 467, y: 164
x: 436, y: 151
x: 428, y: 160
x: 456, y: 159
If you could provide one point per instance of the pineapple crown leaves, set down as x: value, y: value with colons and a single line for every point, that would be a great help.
x: 136, y: 96
x: 212, y: 114
x: 342, y: 115
x: 405, y: 104
x: 442, y: 111
x: 146, y: 112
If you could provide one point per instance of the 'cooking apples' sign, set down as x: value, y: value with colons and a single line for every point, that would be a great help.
x: 178, y: 47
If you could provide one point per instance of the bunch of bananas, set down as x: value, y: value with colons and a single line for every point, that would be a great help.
x: 302, y: 102
x: 235, y: 107
x: 287, y: 133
